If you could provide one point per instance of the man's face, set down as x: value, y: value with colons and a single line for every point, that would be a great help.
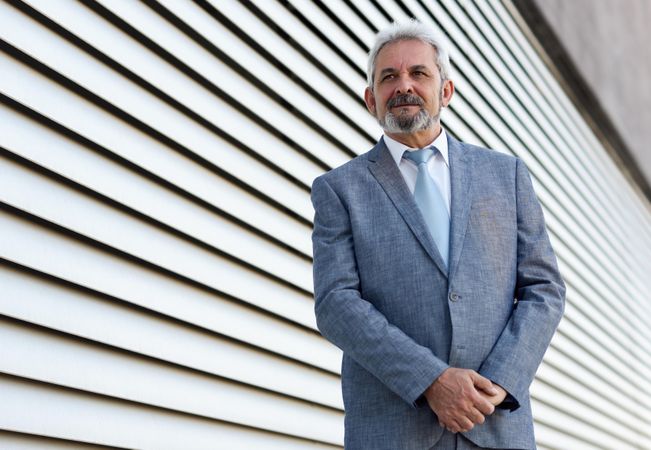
x: 408, y: 95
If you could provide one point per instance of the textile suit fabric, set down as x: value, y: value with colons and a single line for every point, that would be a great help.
x: 384, y: 296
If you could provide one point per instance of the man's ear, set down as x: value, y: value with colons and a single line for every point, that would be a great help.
x: 447, y: 90
x: 369, y: 99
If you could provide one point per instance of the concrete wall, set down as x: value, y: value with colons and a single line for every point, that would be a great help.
x: 608, y: 41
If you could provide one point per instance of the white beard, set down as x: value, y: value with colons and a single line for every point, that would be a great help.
x: 405, y: 124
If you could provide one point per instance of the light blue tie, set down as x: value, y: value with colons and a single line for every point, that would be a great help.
x: 430, y: 201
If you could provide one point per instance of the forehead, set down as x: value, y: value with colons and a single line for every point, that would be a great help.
x: 405, y: 53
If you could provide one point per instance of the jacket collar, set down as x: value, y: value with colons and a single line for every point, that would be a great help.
x: 387, y: 174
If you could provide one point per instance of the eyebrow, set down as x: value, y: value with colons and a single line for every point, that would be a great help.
x: 386, y: 71
x: 422, y: 67
x: 411, y: 69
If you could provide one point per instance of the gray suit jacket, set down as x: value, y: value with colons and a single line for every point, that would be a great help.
x: 385, y: 298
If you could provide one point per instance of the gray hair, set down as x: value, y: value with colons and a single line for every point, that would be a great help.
x: 406, y: 31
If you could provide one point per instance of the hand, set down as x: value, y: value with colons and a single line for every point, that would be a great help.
x: 495, y: 399
x: 456, y: 399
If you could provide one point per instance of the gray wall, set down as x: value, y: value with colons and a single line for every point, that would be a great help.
x: 608, y: 41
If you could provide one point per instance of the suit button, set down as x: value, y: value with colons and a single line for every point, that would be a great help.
x: 454, y: 296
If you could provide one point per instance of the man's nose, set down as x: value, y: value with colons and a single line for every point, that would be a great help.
x: 404, y: 85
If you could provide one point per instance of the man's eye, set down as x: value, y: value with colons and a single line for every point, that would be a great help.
x: 387, y: 77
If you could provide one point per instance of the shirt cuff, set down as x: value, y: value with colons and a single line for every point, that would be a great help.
x: 509, y: 403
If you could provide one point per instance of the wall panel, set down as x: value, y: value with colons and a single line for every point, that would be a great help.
x: 155, y: 255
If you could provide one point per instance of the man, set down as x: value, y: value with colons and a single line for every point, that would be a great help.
x: 433, y: 271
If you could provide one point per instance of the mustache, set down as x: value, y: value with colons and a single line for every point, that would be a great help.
x: 405, y: 99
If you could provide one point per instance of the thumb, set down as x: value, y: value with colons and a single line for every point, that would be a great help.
x: 483, y: 383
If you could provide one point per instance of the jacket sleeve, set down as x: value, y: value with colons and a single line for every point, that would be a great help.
x: 349, y: 321
x: 540, y: 300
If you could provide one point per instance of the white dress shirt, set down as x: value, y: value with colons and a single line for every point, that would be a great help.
x: 438, y: 165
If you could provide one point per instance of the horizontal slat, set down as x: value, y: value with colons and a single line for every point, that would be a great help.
x: 75, y: 162
x: 573, y: 386
x: 556, y: 439
x: 344, y: 13
x: 371, y: 12
x: 36, y: 408
x: 592, y: 424
x: 34, y: 299
x: 46, y: 97
x: 281, y: 82
x: 566, y: 424
x: 598, y: 304
x: 88, y: 217
x: 52, y: 358
x: 575, y: 362
x: 313, y: 41
x: 396, y: 13
x: 53, y: 51
x: 105, y: 37
x: 577, y: 327
x: 330, y: 29
x: 22, y: 441
x: 130, y: 281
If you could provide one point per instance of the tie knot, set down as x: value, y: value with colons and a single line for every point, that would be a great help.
x: 419, y: 156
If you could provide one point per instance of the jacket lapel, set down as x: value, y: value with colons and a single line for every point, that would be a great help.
x: 385, y: 171
x: 460, y: 186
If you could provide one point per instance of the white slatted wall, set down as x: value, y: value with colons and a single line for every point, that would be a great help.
x: 155, y: 256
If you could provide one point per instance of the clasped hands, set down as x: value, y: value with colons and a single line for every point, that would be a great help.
x: 461, y: 398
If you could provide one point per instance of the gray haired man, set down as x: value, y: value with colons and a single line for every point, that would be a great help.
x: 433, y: 270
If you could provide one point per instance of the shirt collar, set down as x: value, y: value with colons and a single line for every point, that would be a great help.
x: 397, y: 148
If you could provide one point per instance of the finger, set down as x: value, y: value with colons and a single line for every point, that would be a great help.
x: 483, y: 404
x: 452, y: 425
x: 483, y: 383
x: 475, y: 416
x: 447, y: 424
x: 453, y: 428
x: 483, y: 401
x: 464, y: 424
